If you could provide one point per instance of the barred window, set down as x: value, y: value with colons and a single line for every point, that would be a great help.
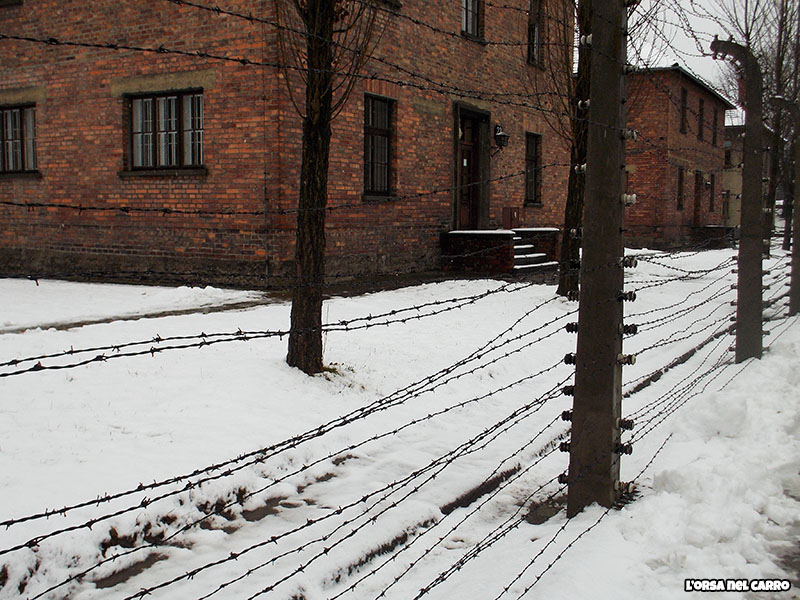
x: 681, y: 177
x: 533, y: 168
x: 167, y: 131
x: 377, y: 145
x: 17, y: 139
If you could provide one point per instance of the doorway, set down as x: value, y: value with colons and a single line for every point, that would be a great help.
x: 468, y: 174
x: 472, y: 169
x: 699, y: 187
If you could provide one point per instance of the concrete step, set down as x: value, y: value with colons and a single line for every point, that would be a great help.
x: 534, y: 258
x: 523, y: 248
x: 537, y: 267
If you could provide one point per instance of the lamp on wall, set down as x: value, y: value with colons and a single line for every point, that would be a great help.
x: 500, y: 136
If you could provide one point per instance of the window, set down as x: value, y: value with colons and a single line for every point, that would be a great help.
x: 167, y: 131
x: 471, y: 13
x: 10, y: 3
x: 701, y: 109
x: 681, y: 177
x: 377, y: 145
x: 535, y: 44
x: 17, y: 139
x: 728, y: 159
x: 712, y: 189
x: 684, y: 105
x: 533, y: 168
x: 715, y: 119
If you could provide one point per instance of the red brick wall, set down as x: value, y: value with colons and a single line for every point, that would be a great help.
x: 253, y: 142
x: 653, y: 160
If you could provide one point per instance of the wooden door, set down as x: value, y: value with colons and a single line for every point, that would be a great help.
x: 468, y: 174
x: 699, y: 187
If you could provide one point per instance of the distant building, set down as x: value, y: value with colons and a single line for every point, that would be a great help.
x: 732, y: 175
x: 675, y: 167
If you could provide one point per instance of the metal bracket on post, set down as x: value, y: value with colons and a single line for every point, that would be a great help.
x: 749, y: 309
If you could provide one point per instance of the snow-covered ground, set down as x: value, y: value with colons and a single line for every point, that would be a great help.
x: 59, y: 303
x: 230, y: 475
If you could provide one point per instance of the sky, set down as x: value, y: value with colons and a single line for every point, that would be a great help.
x: 681, y: 32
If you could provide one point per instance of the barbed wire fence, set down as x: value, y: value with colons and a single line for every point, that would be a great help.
x: 526, y: 461
x: 700, y: 319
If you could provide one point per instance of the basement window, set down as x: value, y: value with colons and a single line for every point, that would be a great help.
x: 166, y: 131
x: 18, y: 139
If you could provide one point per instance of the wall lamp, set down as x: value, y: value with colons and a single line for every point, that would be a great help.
x: 500, y: 136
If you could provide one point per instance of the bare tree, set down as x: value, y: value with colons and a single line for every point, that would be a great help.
x: 554, y: 30
x: 770, y: 29
x: 564, y: 24
x: 324, y: 43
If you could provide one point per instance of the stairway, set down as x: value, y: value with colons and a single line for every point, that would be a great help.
x: 528, y: 260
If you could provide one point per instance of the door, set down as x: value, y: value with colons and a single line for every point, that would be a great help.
x: 699, y: 186
x: 469, y: 188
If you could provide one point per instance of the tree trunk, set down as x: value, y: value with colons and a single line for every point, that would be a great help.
x: 305, y: 336
x: 788, y: 211
x: 791, y: 207
x: 776, y: 146
x: 568, y: 268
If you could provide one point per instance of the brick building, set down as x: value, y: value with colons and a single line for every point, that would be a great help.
x: 732, y: 175
x: 136, y: 141
x: 675, y: 167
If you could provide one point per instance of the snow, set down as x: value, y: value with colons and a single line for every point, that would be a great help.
x: 447, y: 398
x: 47, y: 303
x: 504, y: 232
x: 538, y: 229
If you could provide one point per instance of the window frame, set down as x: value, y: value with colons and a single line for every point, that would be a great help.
x: 701, y: 110
x: 475, y: 8
x: 533, y: 169
x: 684, y: 110
x: 27, y: 155
x: 714, y: 131
x: 535, y: 33
x: 372, y: 132
x: 153, y: 146
x: 681, y: 185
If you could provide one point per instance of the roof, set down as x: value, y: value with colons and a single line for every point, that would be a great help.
x: 694, y: 78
